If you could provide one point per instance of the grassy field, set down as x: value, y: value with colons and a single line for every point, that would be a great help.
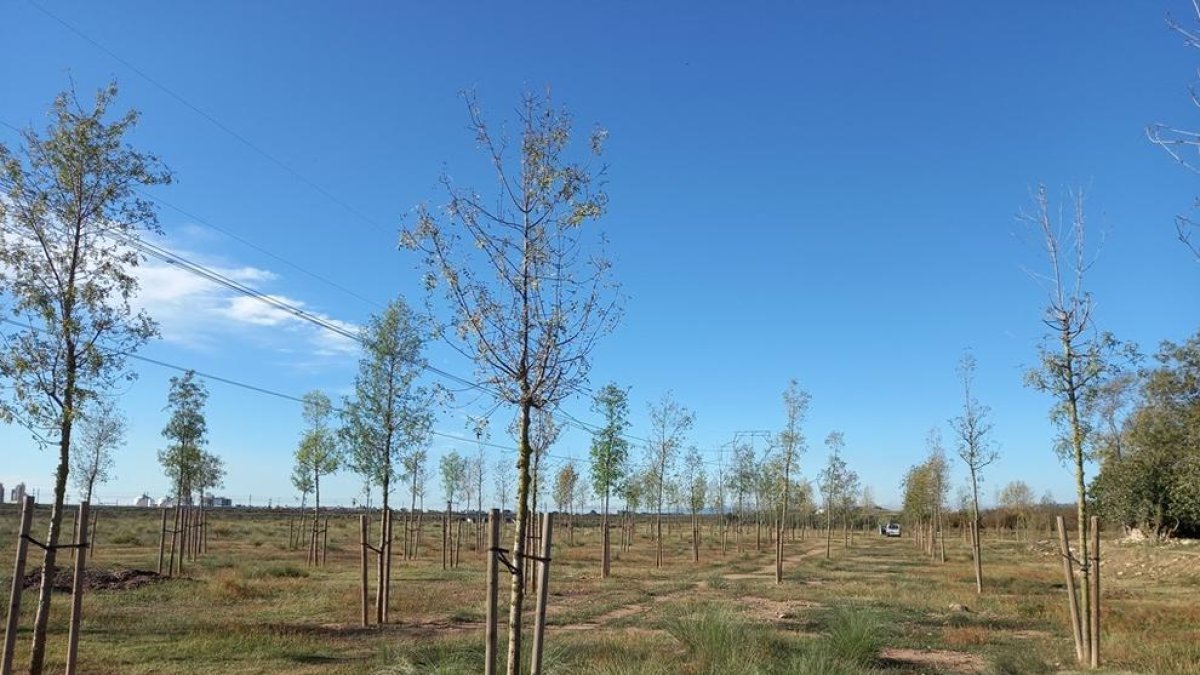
x: 252, y: 606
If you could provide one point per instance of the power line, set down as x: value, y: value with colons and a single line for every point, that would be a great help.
x: 211, y: 119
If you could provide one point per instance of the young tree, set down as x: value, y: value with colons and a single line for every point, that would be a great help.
x: 564, y: 487
x: 694, y: 483
x: 183, y: 459
x: 564, y: 494
x: 791, y: 444
x: 609, y: 456
x: 504, y: 473
x: 453, y: 469
x: 390, y: 415
x: 1077, y: 362
x: 669, y: 425
x: 412, y: 465
x: 318, y: 454
x: 832, y: 483
x: 70, y: 216
x: 530, y: 300
x: 742, y: 479
x: 543, y: 432
x: 302, y: 480
x: 973, y: 431
x: 939, y: 471
x: 101, y: 432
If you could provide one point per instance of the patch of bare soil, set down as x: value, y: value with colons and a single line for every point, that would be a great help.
x: 95, y: 579
x: 938, y: 659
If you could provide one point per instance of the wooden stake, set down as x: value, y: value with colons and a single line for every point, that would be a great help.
x: 325, y: 542
x: 162, y: 542
x: 92, y: 548
x: 18, y: 581
x: 362, y: 542
x: 387, y: 563
x: 458, y: 535
x: 1095, y: 583
x: 81, y: 543
x: 1069, y: 572
x: 493, y: 591
x: 74, y: 533
x: 171, y: 567
x: 539, y: 621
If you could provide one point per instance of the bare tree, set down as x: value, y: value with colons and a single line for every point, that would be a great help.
x: 669, y: 424
x: 504, y: 481
x: 529, y: 296
x: 1181, y: 144
x: 973, y: 430
x: 1078, y: 364
x: 101, y: 433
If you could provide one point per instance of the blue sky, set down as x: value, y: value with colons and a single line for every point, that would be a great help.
x: 824, y: 192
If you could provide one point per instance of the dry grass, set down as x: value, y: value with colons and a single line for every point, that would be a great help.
x: 253, y: 606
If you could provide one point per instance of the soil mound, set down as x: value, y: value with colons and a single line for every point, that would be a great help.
x: 95, y: 579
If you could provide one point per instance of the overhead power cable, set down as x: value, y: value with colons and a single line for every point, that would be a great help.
x: 311, y: 184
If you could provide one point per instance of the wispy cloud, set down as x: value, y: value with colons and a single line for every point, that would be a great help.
x: 197, y: 313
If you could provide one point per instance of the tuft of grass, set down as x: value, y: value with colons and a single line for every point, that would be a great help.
x: 716, y: 638
x: 278, y: 571
x: 854, y: 637
x: 717, y: 581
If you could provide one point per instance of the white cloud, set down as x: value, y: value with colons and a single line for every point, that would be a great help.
x: 196, y: 312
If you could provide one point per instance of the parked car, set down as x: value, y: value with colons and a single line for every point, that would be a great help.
x: 892, y: 530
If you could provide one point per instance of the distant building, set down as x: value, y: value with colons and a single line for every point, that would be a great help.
x: 166, y: 503
x: 145, y: 501
x: 218, y: 502
x: 18, y: 493
x: 1, y: 493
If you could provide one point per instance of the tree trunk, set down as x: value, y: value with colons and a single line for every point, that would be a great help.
x: 604, y: 543
x: 976, y: 548
x: 37, y: 656
x: 517, y: 597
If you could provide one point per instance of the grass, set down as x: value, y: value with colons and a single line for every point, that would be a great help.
x: 252, y: 605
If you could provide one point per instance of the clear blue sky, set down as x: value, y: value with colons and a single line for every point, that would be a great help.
x: 823, y: 192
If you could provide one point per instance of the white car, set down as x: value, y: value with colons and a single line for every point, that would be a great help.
x: 892, y: 530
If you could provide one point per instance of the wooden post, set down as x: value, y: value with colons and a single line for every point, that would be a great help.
x: 81, y: 543
x: 92, y: 541
x: 18, y: 581
x: 1069, y: 572
x: 162, y: 542
x: 1095, y: 588
x: 493, y: 589
x: 325, y: 542
x: 171, y: 566
x: 539, y: 621
x: 74, y: 533
x: 312, y: 543
x: 458, y: 534
x: 387, y: 563
x: 445, y: 535
x: 362, y: 542
x: 291, y: 533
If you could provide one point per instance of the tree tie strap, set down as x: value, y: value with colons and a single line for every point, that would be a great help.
x: 502, y: 555
x: 46, y: 547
